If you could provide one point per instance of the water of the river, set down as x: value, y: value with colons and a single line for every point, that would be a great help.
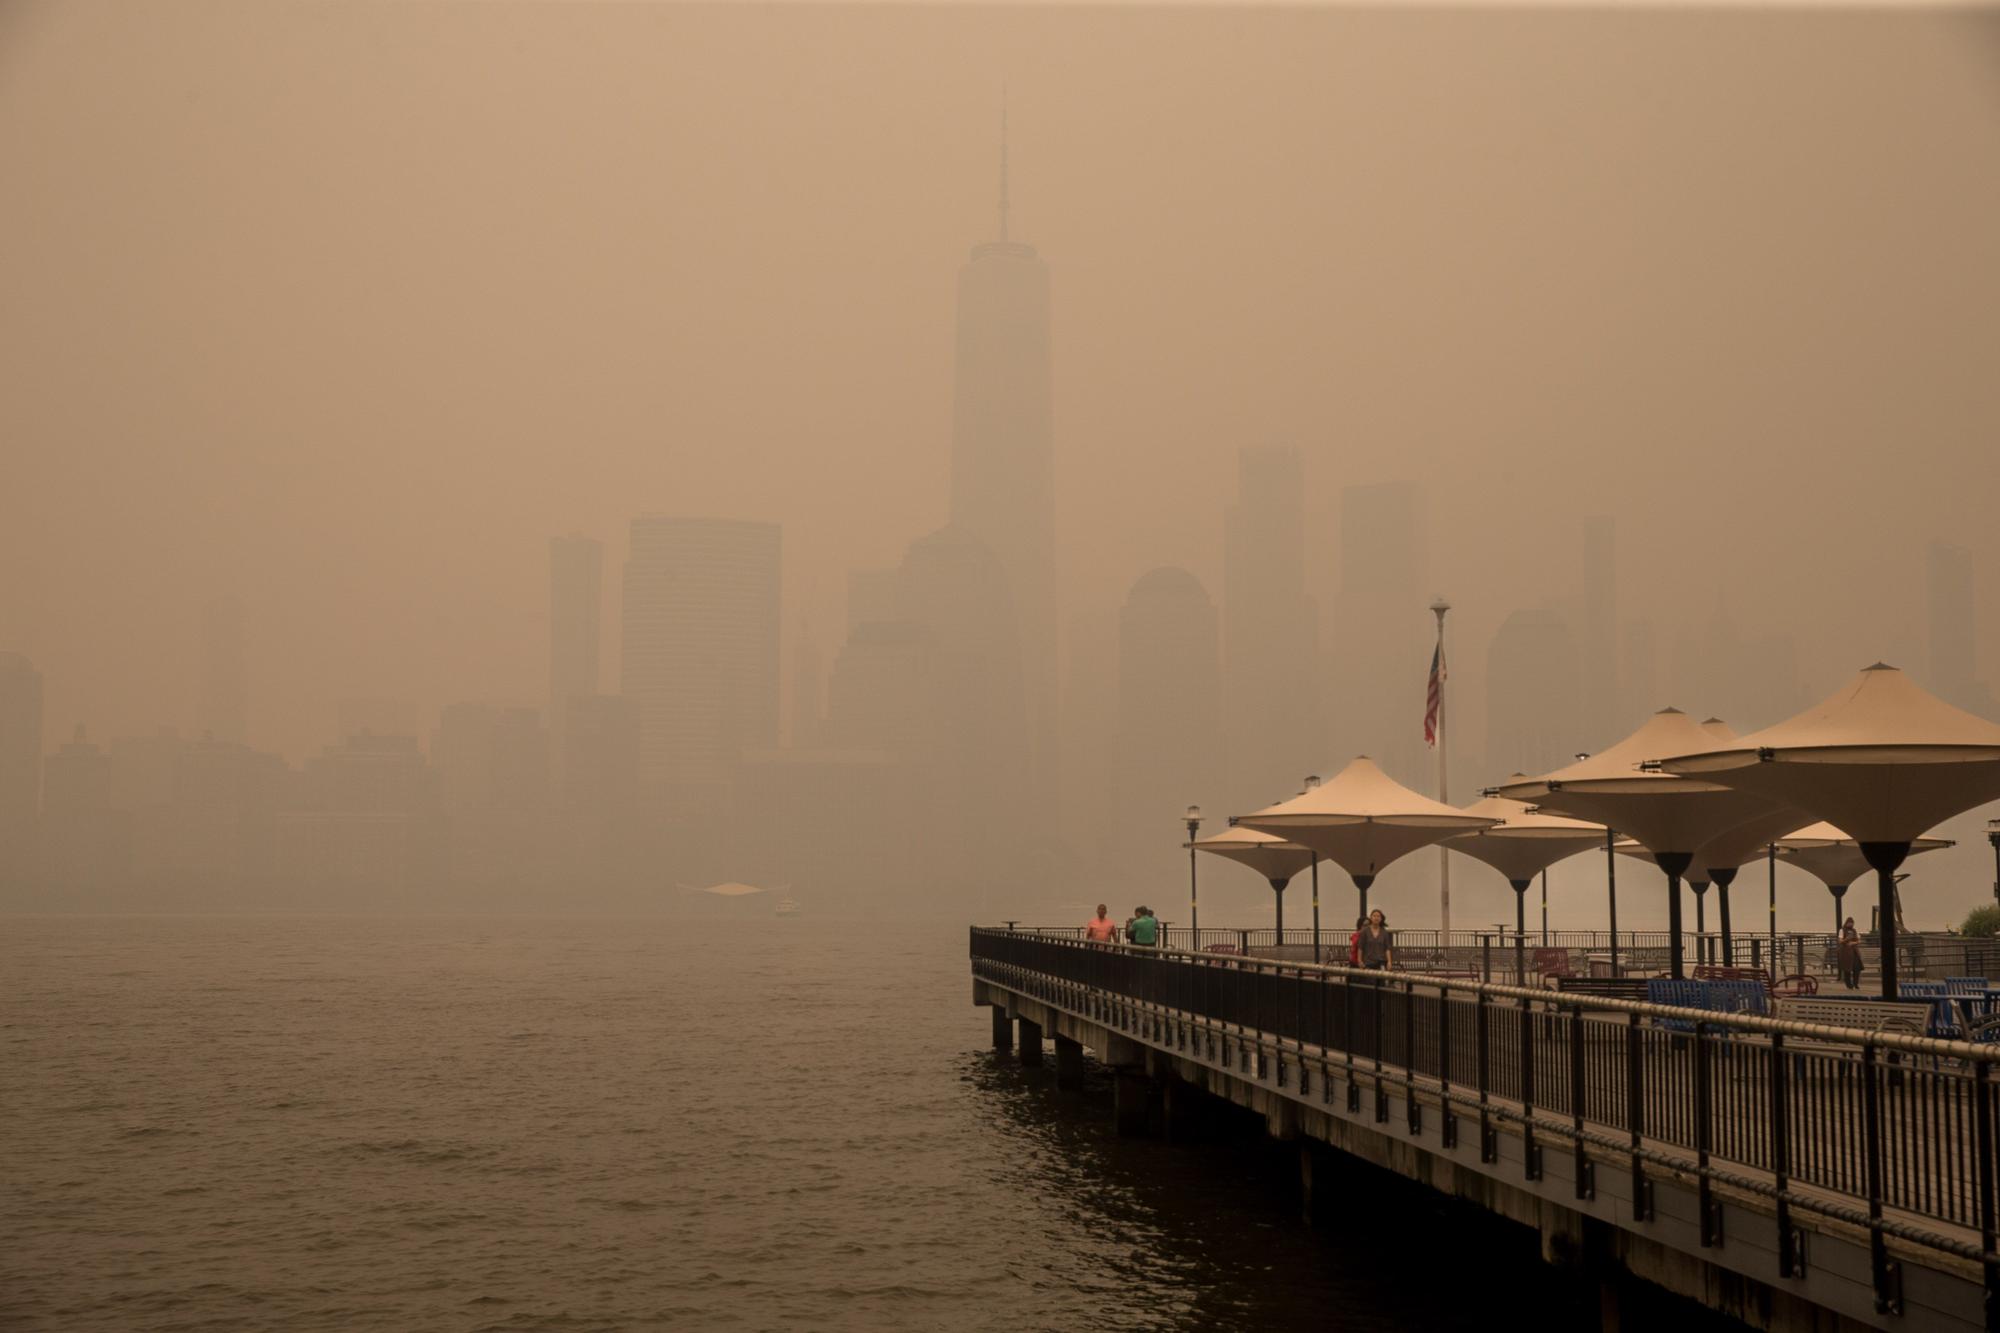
x: 292, y: 1123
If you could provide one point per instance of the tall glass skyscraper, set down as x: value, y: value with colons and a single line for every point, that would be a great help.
x: 1003, y: 453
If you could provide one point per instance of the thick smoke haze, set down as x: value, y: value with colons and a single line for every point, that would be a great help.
x: 337, y: 313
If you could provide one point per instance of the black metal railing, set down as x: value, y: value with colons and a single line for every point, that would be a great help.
x: 1490, y: 953
x: 1889, y: 1132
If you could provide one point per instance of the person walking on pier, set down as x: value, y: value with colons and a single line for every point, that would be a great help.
x: 1376, y: 943
x: 1354, y: 942
x: 1101, y: 929
x: 1142, y: 929
x: 1850, y: 954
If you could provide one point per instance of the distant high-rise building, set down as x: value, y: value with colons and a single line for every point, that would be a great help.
x: 20, y: 762
x: 576, y: 596
x: 1638, y: 676
x: 872, y: 597
x: 1003, y: 455
x: 366, y: 819
x: 1954, y: 632
x: 808, y: 685
x: 1534, y: 706
x: 1169, y: 737
x: 1383, y: 632
x: 878, y: 695
x: 1090, y: 724
x: 1270, y: 634
x: 599, y: 795
x: 377, y: 717
x: 84, y: 841
x: 493, y: 779
x: 200, y: 814
x: 971, y: 715
x: 1598, y: 642
x: 225, y: 679
x: 1750, y: 681
x: 700, y: 653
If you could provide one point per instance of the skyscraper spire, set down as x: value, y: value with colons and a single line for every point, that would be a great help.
x: 1003, y: 161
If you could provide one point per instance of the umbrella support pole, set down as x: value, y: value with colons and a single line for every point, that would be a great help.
x: 1675, y: 864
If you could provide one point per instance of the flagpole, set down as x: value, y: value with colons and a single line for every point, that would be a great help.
x: 1438, y: 608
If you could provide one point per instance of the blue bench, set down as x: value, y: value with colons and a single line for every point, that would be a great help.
x: 1722, y: 997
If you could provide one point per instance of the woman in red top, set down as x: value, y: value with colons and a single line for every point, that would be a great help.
x: 1354, y: 942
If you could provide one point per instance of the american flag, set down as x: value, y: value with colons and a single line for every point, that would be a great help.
x: 1434, y: 695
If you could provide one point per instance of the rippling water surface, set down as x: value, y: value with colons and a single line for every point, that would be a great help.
x: 253, y: 1123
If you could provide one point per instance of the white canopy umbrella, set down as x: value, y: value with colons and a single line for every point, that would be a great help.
x: 1363, y: 820
x: 1276, y: 859
x: 1835, y: 860
x: 1670, y: 817
x: 1523, y: 844
x: 1880, y: 757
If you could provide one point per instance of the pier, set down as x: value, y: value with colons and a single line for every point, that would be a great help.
x: 1791, y: 1175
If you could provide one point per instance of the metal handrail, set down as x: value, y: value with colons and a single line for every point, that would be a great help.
x: 1933, y: 1046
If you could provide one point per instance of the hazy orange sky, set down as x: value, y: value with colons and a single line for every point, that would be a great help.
x: 346, y: 308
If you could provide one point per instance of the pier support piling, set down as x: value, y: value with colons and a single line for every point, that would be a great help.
x: 1069, y: 1064
x: 1132, y: 1095
x: 1031, y: 1043
x: 1003, y: 1031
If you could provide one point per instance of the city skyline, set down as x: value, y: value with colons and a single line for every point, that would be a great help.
x: 991, y: 422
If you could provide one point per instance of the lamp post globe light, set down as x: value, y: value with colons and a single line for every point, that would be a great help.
x: 1192, y: 818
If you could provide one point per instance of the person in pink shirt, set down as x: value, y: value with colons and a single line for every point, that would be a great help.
x: 1101, y: 929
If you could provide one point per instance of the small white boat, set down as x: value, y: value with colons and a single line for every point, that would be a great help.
x: 788, y: 906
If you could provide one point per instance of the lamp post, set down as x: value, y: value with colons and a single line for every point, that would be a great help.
x: 1610, y: 879
x: 1312, y: 781
x: 1193, y: 820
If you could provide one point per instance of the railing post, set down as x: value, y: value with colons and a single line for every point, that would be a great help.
x: 1412, y: 1112
x: 1447, y: 1122
x: 1381, y: 1093
x: 1704, y: 1136
x: 1781, y: 1160
x: 1886, y: 1273
x: 1982, y: 1109
x: 1531, y: 1152
x: 1586, y: 1176
x: 1635, y: 1118
x: 1484, y: 1066
x: 1485, y: 958
x: 1347, y: 989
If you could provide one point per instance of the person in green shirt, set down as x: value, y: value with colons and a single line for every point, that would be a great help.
x: 1142, y: 929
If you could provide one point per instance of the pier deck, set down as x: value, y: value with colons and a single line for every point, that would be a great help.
x: 1793, y: 1176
